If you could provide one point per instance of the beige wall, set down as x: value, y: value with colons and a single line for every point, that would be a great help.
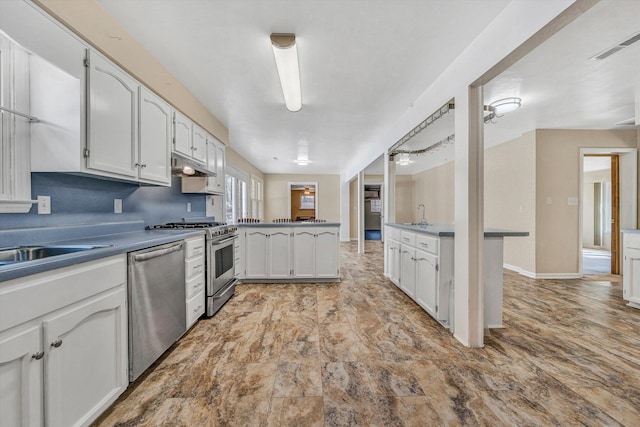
x: 277, y: 194
x: 509, y: 197
x: 237, y: 161
x: 434, y: 189
x: 404, y: 198
x: 89, y: 20
x: 558, y: 178
x: 353, y: 209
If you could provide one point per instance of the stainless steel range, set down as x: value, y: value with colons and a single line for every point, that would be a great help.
x: 220, y: 270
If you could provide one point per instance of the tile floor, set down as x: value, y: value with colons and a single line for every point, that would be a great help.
x: 362, y: 353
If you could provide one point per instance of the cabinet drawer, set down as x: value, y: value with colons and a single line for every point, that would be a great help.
x: 194, y: 266
x: 194, y: 285
x: 194, y: 247
x: 426, y: 243
x: 29, y: 297
x: 195, y: 308
x: 392, y: 233
x: 408, y: 238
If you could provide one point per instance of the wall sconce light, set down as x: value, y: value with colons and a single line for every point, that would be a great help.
x: 286, y: 54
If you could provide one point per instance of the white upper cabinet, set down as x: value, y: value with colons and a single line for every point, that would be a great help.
x: 220, y: 166
x: 155, y: 139
x: 182, y: 134
x: 15, y: 171
x: 199, y: 144
x: 112, y: 119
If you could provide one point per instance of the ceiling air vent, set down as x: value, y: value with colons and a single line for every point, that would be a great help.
x: 628, y: 42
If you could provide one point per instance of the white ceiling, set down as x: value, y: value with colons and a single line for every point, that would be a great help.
x: 362, y: 64
x: 560, y: 85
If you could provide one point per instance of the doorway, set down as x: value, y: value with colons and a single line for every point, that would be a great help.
x: 600, y: 214
x: 372, y: 212
x: 303, y: 201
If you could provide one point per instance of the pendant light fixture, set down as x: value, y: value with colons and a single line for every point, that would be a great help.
x: 285, y: 53
x: 307, y: 190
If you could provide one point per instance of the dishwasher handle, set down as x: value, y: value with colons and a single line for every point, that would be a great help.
x: 160, y: 252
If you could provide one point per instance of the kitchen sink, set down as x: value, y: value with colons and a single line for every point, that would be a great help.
x: 30, y: 253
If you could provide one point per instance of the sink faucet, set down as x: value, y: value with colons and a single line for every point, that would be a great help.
x: 422, y: 220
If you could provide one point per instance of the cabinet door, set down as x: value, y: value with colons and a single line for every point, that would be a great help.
x: 327, y: 252
x: 393, y: 261
x: 181, y: 134
x: 86, y: 360
x: 279, y: 253
x: 155, y: 138
x: 304, y: 253
x: 426, y: 281
x: 199, y: 144
x: 220, y: 165
x: 256, y: 254
x: 631, y: 277
x: 113, y: 119
x: 21, y: 378
x: 408, y: 270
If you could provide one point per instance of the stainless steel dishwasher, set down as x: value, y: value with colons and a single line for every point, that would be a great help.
x: 157, y: 309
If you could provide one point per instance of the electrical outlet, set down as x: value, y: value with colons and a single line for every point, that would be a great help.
x: 117, y: 206
x: 549, y: 201
x: 188, y: 207
x: 44, y: 205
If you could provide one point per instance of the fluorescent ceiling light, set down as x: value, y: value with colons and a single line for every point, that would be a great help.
x: 286, y: 55
x: 302, y: 162
x: 506, y: 105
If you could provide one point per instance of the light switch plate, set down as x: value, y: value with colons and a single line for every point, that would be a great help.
x: 44, y: 205
x: 549, y: 201
x: 188, y: 207
x: 572, y: 201
x: 117, y: 206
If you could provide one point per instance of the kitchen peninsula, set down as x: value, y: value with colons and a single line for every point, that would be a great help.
x: 288, y: 252
x: 419, y: 259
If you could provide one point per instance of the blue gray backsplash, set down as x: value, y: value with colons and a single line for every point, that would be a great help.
x: 85, y: 200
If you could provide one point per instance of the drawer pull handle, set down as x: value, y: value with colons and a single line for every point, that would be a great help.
x: 39, y: 355
x: 195, y: 310
x: 57, y: 343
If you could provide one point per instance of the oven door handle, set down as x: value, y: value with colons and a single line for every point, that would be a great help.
x: 220, y: 242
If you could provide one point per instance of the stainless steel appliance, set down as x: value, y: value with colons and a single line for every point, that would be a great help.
x: 220, y: 269
x: 157, y: 309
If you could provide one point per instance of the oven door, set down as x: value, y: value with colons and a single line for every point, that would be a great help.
x: 220, y: 268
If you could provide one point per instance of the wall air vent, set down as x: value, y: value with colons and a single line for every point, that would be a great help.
x: 628, y: 42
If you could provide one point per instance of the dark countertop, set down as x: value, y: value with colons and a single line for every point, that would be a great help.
x: 447, y: 230
x: 288, y: 224
x: 121, y: 238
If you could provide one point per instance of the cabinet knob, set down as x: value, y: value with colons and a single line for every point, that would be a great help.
x: 144, y: 165
x: 39, y: 355
x: 57, y: 343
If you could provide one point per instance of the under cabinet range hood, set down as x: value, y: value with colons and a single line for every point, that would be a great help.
x: 183, y: 166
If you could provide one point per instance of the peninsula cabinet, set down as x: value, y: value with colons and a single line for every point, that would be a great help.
x: 63, y: 344
x: 268, y: 253
x: 288, y: 253
x: 315, y: 254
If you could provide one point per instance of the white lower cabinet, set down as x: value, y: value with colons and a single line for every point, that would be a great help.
x: 286, y: 253
x: 392, y: 258
x: 194, y: 272
x: 417, y: 266
x: 408, y: 269
x: 268, y: 253
x: 631, y: 268
x: 315, y: 253
x: 86, y: 354
x: 21, y: 381
x: 63, y: 344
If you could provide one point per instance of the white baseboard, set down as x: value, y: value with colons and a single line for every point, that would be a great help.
x: 532, y: 275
